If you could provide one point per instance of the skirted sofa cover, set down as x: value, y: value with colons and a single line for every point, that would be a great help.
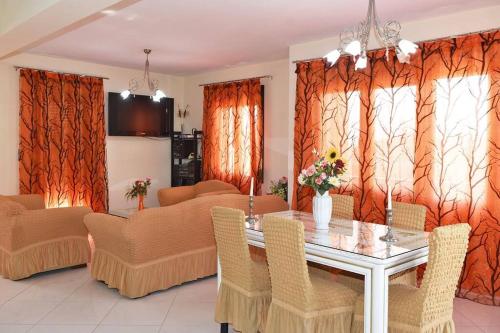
x: 34, y: 239
x: 158, y: 248
x: 173, y: 195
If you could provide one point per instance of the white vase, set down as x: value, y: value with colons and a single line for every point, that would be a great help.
x: 322, y: 210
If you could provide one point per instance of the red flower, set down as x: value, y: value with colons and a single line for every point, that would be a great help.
x: 339, y: 164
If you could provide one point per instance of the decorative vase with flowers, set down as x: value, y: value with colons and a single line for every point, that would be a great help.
x: 322, y: 176
x: 139, y: 190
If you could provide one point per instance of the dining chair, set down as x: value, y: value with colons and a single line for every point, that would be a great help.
x: 430, y: 307
x: 303, y: 300
x: 408, y: 216
x: 412, y: 217
x: 343, y: 206
x: 245, y: 290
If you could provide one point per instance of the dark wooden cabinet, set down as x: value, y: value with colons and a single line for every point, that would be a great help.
x: 186, y: 158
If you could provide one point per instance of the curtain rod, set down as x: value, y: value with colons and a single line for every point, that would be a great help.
x: 65, y: 73
x: 250, y: 78
x: 421, y: 41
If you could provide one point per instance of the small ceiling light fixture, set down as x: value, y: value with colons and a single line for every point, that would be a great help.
x: 152, y: 85
x: 355, y: 41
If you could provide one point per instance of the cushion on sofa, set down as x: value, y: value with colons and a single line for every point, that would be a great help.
x: 10, y: 208
x: 234, y: 191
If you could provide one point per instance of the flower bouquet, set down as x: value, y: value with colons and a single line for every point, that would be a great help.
x: 322, y: 176
x: 280, y: 188
x: 139, y: 190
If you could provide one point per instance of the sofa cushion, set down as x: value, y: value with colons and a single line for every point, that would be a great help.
x: 10, y: 208
x: 206, y: 194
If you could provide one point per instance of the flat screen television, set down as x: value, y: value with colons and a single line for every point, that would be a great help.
x: 139, y: 115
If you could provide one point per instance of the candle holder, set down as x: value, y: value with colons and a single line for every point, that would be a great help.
x: 250, y: 218
x: 388, y: 237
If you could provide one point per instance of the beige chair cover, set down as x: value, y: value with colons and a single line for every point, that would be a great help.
x: 427, y: 309
x: 303, y: 301
x: 245, y: 291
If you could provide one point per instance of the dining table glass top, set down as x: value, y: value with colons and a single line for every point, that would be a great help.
x: 357, y: 237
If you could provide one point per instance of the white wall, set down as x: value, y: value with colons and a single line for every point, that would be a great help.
x: 275, y: 109
x: 432, y: 28
x: 128, y: 157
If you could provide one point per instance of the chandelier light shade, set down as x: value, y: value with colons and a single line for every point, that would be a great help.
x: 354, y: 41
x: 151, y: 85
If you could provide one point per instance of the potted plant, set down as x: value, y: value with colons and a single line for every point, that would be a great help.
x: 139, y: 190
x: 322, y: 176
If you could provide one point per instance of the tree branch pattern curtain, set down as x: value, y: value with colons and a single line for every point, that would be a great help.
x: 431, y: 128
x: 62, y: 147
x: 233, y: 133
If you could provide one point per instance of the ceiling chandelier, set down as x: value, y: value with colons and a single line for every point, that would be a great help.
x: 151, y: 84
x: 354, y: 41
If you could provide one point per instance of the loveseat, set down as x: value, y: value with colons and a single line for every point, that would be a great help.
x: 158, y: 248
x: 173, y: 195
x: 34, y: 239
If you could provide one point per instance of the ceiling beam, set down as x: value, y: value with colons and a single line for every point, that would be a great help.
x: 29, y: 23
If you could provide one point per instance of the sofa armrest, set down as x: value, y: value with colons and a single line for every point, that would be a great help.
x: 30, y: 201
x: 172, y: 195
x: 34, y: 226
x: 107, y: 232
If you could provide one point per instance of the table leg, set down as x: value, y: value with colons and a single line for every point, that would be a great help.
x: 367, y: 303
x: 379, y: 295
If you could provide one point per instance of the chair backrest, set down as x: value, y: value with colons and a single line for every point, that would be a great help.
x: 447, y: 249
x: 232, y: 246
x: 408, y: 216
x: 285, y: 251
x: 343, y: 206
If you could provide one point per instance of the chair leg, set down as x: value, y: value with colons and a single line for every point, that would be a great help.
x: 224, y: 328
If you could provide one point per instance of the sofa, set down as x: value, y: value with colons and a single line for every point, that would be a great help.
x: 173, y: 195
x: 34, y: 239
x: 158, y: 248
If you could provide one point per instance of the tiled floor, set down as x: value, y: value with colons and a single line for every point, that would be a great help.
x: 70, y: 301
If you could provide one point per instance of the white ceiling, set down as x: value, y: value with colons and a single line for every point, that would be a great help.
x: 190, y: 36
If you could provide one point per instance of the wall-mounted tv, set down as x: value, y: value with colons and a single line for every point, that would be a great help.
x: 139, y: 115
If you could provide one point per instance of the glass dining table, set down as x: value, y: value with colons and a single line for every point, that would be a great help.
x: 356, y: 247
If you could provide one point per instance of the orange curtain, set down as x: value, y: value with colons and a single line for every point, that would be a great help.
x: 233, y: 130
x: 62, y: 147
x: 431, y: 128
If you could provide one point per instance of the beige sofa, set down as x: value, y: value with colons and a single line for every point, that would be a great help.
x: 34, y: 239
x: 158, y: 248
x: 173, y: 195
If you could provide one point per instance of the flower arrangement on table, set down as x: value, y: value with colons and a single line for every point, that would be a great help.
x: 280, y: 188
x: 323, y: 175
x: 139, y: 190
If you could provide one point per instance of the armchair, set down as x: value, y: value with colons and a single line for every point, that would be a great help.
x: 34, y: 239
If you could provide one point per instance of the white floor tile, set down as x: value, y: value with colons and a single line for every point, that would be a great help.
x: 194, y: 313
x: 126, y: 329
x: 204, y: 290
x: 63, y: 329
x: 94, y: 291
x: 491, y: 329
x: 471, y: 329
x: 139, y: 312
x: 24, y: 312
x: 14, y: 328
x: 78, y: 313
x: 479, y: 314
x: 187, y: 327
x: 10, y: 289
